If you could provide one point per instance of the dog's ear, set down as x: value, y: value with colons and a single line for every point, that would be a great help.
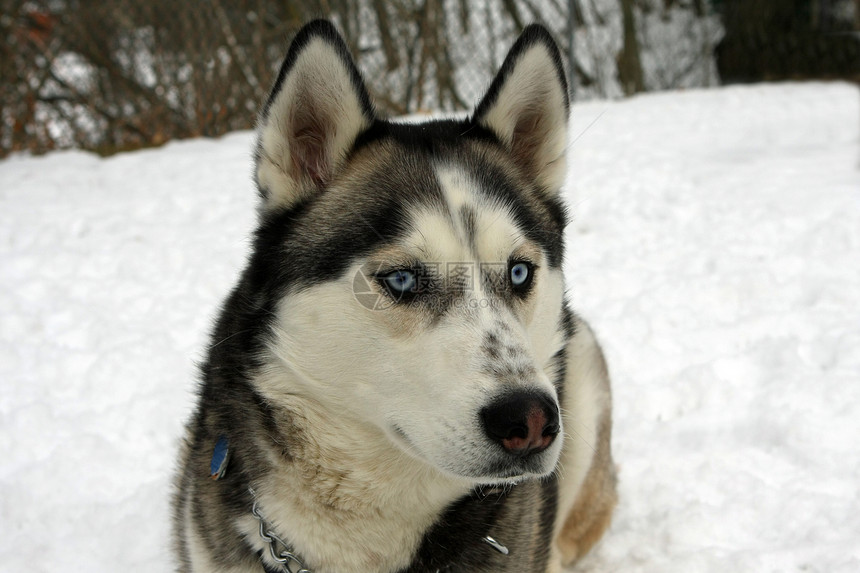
x: 527, y: 107
x: 318, y: 106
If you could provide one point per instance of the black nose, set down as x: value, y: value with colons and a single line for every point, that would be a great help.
x: 522, y: 422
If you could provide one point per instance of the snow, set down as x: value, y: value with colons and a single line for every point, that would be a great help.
x: 714, y: 248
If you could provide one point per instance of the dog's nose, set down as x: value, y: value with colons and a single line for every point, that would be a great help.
x: 522, y: 422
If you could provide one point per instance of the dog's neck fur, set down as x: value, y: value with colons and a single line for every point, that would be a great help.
x: 347, y: 499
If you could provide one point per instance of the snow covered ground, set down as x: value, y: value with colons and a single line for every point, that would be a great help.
x: 715, y: 248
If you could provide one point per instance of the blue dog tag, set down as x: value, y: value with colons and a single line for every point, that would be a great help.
x: 220, y: 458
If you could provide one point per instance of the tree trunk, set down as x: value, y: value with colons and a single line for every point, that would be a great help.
x: 629, y: 65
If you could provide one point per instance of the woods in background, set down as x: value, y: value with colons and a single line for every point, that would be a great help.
x: 790, y: 39
x: 122, y: 74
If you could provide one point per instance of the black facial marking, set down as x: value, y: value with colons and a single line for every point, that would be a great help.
x: 542, y: 219
x: 469, y: 219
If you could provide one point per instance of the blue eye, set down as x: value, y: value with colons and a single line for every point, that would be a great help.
x: 400, y: 282
x: 520, y: 274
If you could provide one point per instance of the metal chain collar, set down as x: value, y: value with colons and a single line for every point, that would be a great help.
x: 282, y: 555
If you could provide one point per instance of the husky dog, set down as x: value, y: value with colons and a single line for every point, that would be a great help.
x: 396, y: 384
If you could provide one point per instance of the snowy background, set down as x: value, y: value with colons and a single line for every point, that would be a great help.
x: 715, y: 248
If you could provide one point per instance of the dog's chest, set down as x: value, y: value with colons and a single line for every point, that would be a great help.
x: 520, y: 521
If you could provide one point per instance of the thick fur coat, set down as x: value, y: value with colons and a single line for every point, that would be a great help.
x: 397, y: 374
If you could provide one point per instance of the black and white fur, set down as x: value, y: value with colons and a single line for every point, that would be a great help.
x: 395, y: 438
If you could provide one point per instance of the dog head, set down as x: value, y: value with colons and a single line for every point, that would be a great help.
x: 411, y: 273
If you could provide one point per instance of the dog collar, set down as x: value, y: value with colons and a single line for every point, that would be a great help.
x: 279, y: 550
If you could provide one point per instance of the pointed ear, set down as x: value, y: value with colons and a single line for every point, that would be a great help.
x: 318, y: 106
x: 527, y: 107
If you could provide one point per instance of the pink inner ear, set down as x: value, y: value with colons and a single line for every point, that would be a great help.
x: 526, y: 139
x: 309, y: 152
